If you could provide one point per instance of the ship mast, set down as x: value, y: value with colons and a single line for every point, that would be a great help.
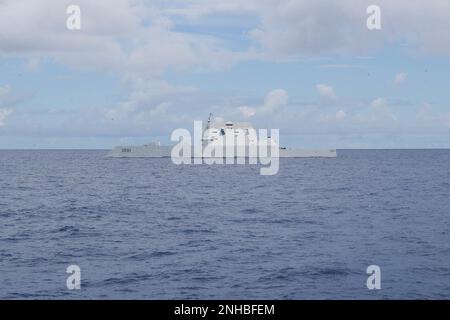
x: 209, y: 120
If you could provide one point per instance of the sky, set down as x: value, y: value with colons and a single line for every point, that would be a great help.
x: 138, y: 69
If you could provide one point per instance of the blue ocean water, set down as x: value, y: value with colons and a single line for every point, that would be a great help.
x: 147, y: 229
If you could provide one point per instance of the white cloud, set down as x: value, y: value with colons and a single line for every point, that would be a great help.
x: 4, y: 90
x: 140, y: 41
x: 425, y: 113
x: 428, y: 118
x: 5, y: 112
x: 357, y: 116
x: 326, y: 92
x: 134, y: 36
x: 123, y: 36
x: 382, y: 111
x: 303, y: 27
x: 340, y: 115
x: 273, y: 103
x: 400, y: 78
x: 135, y: 40
x: 379, y: 104
x: 33, y: 64
x: 247, y: 112
x: 195, y: 9
x: 149, y: 104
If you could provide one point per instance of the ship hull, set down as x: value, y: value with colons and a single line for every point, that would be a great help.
x: 165, y: 151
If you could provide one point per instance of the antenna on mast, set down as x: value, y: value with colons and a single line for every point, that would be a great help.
x: 209, y: 120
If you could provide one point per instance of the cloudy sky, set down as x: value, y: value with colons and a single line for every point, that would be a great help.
x: 139, y: 69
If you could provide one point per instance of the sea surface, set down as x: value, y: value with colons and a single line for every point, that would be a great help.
x: 148, y: 229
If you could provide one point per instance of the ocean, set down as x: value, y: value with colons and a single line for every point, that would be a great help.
x: 148, y: 229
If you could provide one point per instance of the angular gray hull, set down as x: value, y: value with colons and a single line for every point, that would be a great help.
x: 154, y: 151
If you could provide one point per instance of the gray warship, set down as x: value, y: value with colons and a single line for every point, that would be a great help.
x: 212, y: 134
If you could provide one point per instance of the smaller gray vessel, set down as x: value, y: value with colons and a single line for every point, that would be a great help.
x: 212, y: 133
